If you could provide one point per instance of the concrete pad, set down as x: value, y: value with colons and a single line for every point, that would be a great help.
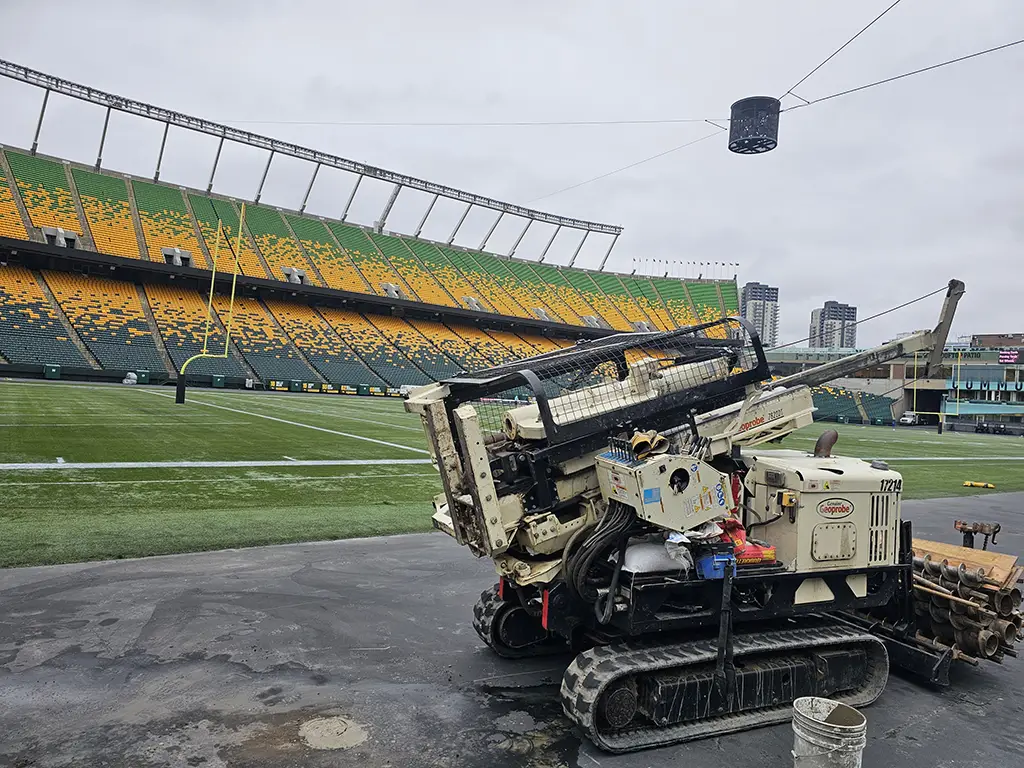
x: 361, y: 653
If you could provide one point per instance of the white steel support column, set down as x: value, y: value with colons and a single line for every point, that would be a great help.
x: 607, y: 253
x: 305, y: 197
x: 351, y: 197
x: 263, y: 178
x: 39, y: 124
x: 160, y: 157
x: 520, y: 238
x: 458, y: 226
x: 387, y: 208
x: 426, y: 215
x: 579, y: 248
x: 216, y: 160
x: 494, y: 226
x: 546, y: 247
x: 103, y: 139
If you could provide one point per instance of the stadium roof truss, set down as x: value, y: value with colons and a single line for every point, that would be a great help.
x: 51, y: 84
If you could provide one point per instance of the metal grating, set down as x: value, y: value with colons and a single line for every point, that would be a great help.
x: 879, y: 530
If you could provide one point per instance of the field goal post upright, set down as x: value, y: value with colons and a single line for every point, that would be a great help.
x: 179, y: 394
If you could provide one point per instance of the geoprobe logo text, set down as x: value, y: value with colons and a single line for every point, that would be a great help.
x: 835, y: 508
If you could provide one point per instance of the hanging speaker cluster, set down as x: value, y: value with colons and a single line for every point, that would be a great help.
x: 754, y: 125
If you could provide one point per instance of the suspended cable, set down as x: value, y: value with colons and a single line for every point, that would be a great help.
x: 626, y: 167
x: 484, y: 124
x: 905, y: 74
x: 837, y: 51
x: 872, y: 317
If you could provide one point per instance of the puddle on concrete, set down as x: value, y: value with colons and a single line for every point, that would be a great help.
x: 332, y: 733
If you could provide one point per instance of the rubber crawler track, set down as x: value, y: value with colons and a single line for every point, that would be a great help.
x: 485, y: 615
x: 592, y: 671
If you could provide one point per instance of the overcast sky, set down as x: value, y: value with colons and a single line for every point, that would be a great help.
x: 871, y: 199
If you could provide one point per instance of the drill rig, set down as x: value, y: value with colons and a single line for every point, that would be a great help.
x: 634, y: 516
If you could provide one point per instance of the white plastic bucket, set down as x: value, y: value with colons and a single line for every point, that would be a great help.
x: 827, y: 734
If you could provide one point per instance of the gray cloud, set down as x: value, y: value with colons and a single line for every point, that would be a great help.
x: 871, y: 199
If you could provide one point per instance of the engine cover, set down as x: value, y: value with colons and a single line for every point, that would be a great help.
x: 675, y: 492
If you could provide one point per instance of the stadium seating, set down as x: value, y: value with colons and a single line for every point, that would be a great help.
x: 646, y: 296
x: 335, y: 266
x: 833, y: 402
x: 877, y: 406
x: 705, y: 299
x: 415, y: 346
x: 543, y: 294
x: 457, y: 348
x: 368, y: 260
x: 486, y: 285
x: 11, y: 224
x: 673, y: 293
x: 485, y: 345
x: 373, y: 348
x: 45, y: 191
x: 453, y: 281
x: 109, y: 214
x: 30, y: 332
x: 265, y: 348
x: 108, y: 317
x: 412, y: 271
x: 560, y: 295
x: 616, y: 292
x: 594, y: 297
x: 180, y: 316
x: 208, y: 211
x: 276, y: 243
x: 495, y: 279
x: 166, y: 222
x: 730, y: 297
x: 321, y: 345
x: 510, y: 341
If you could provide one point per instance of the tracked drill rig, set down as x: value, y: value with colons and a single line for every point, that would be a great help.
x: 635, y: 517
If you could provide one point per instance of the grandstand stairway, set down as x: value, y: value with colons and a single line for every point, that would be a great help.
x: 321, y: 345
x: 108, y: 318
x: 147, y: 310
x: 87, y: 238
x: 43, y: 188
x: 265, y: 348
x: 434, y: 363
x: 335, y: 266
x: 137, y: 223
x: 860, y: 407
x: 72, y: 334
x: 248, y: 241
x: 373, y: 348
x: 371, y: 263
x: 30, y: 331
x: 318, y: 277
x: 280, y: 329
x: 197, y: 231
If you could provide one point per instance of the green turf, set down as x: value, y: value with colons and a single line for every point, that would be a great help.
x: 70, y: 515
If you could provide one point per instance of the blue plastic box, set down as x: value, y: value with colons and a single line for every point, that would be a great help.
x: 713, y: 566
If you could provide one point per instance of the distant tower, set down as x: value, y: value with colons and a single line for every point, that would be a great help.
x: 833, y: 325
x: 759, y: 303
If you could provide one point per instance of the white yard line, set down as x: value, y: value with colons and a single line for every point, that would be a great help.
x: 337, y: 415
x: 953, y: 458
x: 131, y: 424
x: 36, y: 465
x: 274, y: 479
x: 294, y: 423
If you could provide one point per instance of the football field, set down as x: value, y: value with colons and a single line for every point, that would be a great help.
x: 95, y: 472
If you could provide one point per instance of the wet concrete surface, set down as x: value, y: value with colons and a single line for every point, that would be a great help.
x: 230, y: 658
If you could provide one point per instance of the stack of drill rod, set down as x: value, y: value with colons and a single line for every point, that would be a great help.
x: 962, y: 608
